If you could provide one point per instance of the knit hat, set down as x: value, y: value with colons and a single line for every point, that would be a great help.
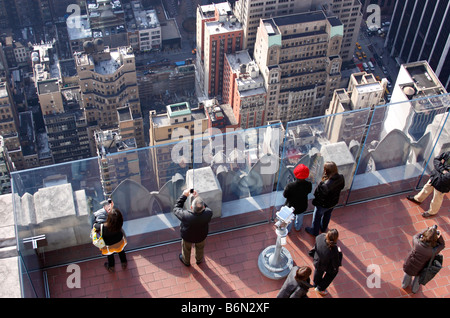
x: 301, y: 171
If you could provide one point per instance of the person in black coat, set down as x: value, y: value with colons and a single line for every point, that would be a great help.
x: 420, y: 255
x: 194, y: 226
x: 327, y: 260
x: 439, y: 183
x: 296, y: 194
x: 326, y: 197
x: 296, y: 284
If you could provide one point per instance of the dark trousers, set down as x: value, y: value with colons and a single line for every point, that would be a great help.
x: 323, y: 281
x: 321, y: 218
x: 186, y: 248
x: 122, y: 257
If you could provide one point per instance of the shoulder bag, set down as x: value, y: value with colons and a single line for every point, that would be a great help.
x: 97, y: 239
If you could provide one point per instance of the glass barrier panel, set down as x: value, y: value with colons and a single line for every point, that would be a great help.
x: 235, y: 173
x: 53, y: 207
x: 146, y: 192
x: 440, y: 125
x: 32, y: 283
x: 312, y: 142
x: 56, y: 206
x: 402, y: 138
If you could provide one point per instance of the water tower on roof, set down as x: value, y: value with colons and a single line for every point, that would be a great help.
x: 89, y: 47
x: 99, y: 45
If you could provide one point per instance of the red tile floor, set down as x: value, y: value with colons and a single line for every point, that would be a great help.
x: 376, y: 232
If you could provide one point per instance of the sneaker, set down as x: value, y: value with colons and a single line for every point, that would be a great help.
x: 426, y: 214
x: 321, y: 292
x: 411, y: 198
x: 124, y: 265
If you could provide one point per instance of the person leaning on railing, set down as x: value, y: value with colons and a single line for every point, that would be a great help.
x: 439, y: 184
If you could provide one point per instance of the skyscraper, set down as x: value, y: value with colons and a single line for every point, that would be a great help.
x: 108, y: 82
x: 298, y: 56
x: 347, y: 11
x: 218, y: 33
x: 61, y: 106
x: 420, y: 30
x: 363, y: 91
x: 9, y: 126
x: 250, y: 11
x: 244, y: 90
x: 350, y: 15
x: 416, y: 99
x: 167, y: 130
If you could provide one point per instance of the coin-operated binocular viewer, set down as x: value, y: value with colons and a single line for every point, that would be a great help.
x: 275, y: 261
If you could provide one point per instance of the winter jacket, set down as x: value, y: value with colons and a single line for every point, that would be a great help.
x: 440, y: 180
x: 194, y: 227
x: 296, y: 194
x: 115, y: 241
x: 109, y: 237
x: 327, y: 193
x: 100, y: 216
x: 293, y: 288
x: 325, y: 258
x: 420, y: 255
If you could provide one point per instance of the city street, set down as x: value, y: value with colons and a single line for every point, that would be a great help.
x: 376, y: 43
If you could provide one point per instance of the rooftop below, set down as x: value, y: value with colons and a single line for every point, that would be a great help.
x: 299, y: 18
x: 180, y: 109
x: 216, y: 27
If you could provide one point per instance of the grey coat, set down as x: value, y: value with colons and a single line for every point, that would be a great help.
x: 292, y: 288
x: 420, y: 255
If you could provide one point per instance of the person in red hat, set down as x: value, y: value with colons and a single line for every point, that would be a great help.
x: 296, y: 194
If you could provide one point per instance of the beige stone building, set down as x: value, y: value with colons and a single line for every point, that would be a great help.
x: 67, y: 134
x: 124, y: 164
x: 6, y: 167
x: 107, y: 79
x: 179, y: 123
x: 9, y: 126
x: 350, y: 14
x: 249, y: 12
x: 363, y: 91
x: 298, y: 56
